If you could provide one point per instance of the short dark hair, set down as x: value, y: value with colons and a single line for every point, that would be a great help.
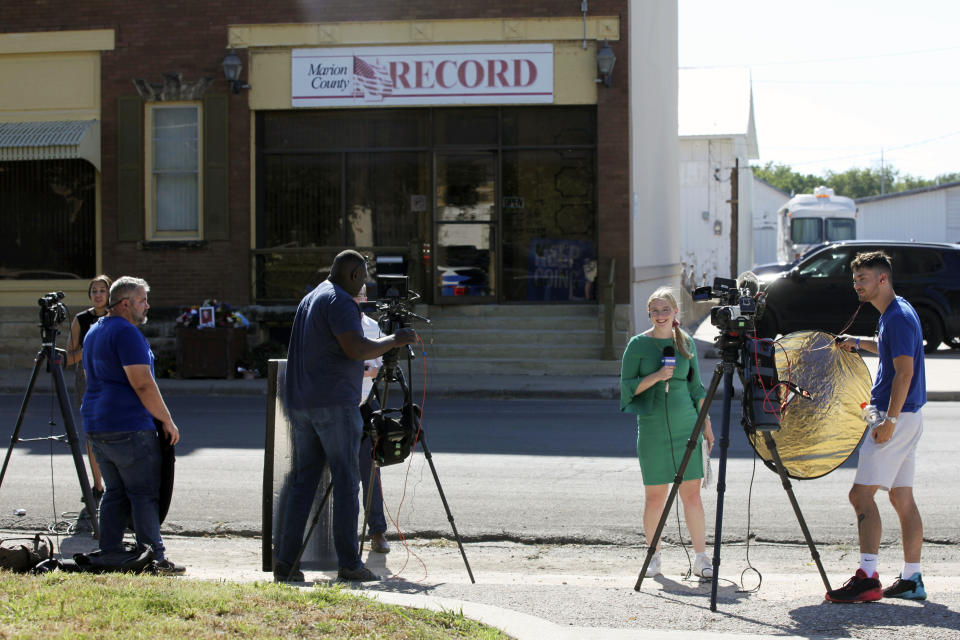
x: 873, y: 260
x: 346, y: 263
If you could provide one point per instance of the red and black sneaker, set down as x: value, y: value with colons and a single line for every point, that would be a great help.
x: 859, y: 588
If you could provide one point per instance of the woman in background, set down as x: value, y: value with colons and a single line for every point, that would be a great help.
x: 665, y: 419
x: 98, y: 291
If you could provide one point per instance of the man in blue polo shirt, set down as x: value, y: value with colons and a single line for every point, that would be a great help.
x: 322, y: 395
x: 119, y: 407
x: 888, y: 453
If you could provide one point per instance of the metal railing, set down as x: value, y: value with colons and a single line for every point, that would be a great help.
x: 609, y: 310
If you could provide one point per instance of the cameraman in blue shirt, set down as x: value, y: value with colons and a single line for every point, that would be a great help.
x: 323, y: 381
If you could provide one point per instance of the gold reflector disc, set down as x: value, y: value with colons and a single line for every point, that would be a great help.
x: 817, y: 434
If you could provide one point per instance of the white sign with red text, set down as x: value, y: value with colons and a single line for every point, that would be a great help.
x: 384, y: 76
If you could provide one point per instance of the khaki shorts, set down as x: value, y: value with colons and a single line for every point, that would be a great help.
x: 891, y: 464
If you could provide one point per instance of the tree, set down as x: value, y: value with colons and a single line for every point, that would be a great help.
x: 853, y: 183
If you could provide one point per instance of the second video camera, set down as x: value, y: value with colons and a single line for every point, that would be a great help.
x: 737, y: 310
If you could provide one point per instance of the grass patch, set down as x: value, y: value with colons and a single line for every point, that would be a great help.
x: 77, y: 605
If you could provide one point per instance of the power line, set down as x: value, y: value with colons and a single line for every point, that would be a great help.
x: 780, y: 63
x: 874, y: 153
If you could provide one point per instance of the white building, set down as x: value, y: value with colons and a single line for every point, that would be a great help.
x: 931, y: 214
x: 716, y: 135
x: 767, y: 200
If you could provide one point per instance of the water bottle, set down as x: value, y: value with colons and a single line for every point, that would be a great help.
x: 870, y: 414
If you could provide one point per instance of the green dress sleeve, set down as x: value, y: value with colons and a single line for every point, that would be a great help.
x: 630, y: 377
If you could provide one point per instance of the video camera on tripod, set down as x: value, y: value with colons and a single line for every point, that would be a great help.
x: 736, y: 317
x: 739, y: 308
x: 52, y: 313
x: 393, y: 431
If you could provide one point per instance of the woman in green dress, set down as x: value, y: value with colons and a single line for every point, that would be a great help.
x: 665, y: 419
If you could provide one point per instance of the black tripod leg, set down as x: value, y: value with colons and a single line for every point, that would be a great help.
x: 446, y: 507
x: 368, y: 500
x: 426, y: 454
x: 678, y: 478
x: 721, y: 481
x: 67, y: 411
x: 313, y: 526
x: 38, y: 362
x: 785, y: 479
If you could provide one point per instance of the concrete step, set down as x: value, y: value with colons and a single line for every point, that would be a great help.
x: 559, y: 338
x: 511, y: 366
x: 514, y: 351
x: 554, y: 323
x: 509, y: 310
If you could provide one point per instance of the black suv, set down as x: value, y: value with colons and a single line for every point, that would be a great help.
x: 817, y: 293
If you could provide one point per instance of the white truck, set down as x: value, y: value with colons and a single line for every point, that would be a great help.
x: 807, y: 220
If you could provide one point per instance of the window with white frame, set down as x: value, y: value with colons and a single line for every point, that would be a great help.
x: 173, y: 168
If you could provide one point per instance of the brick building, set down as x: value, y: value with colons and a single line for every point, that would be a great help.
x: 473, y: 143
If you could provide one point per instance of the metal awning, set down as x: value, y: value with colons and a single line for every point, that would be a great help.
x: 55, y: 140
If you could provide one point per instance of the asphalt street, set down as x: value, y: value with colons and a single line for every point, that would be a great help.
x: 522, y: 470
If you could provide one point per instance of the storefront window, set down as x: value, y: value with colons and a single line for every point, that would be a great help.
x: 549, y: 225
x: 302, y: 204
x: 484, y: 204
x: 386, y: 198
x: 47, y: 219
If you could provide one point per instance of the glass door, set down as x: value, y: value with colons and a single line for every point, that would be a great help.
x: 465, y: 228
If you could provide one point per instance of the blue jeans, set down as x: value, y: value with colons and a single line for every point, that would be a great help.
x: 327, y: 435
x: 130, y: 464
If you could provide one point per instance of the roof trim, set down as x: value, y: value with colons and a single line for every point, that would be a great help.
x: 54, y: 140
x: 910, y: 192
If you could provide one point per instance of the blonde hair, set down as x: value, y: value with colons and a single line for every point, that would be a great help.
x: 681, y: 339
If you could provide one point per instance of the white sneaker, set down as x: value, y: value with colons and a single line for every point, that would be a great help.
x: 653, y: 569
x: 702, y: 566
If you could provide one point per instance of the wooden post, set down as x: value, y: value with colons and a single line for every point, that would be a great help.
x: 734, y: 217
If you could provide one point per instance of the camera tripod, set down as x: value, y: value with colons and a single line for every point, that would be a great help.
x: 390, y: 372
x: 731, y: 347
x: 53, y: 356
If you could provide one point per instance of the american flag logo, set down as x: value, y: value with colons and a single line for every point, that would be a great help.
x: 371, y: 80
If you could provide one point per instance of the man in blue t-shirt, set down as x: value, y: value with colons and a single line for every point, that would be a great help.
x: 119, y: 407
x: 888, y: 453
x: 322, y: 394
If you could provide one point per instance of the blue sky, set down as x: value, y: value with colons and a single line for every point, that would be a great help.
x: 835, y: 84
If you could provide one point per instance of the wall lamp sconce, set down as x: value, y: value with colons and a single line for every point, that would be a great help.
x: 232, y: 66
x: 605, y: 61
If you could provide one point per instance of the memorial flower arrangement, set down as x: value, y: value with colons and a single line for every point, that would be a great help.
x: 223, y: 315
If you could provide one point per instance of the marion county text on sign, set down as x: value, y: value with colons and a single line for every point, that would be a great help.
x: 468, y: 74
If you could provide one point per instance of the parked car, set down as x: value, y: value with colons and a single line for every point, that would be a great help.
x: 817, y: 293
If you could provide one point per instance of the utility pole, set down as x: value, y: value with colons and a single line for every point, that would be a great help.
x: 734, y: 216
x: 883, y: 174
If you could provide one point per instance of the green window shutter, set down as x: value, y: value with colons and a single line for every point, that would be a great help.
x: 129, y: 168
x: 216, y: 184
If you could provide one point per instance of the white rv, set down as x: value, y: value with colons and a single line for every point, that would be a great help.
x: 811, y: 219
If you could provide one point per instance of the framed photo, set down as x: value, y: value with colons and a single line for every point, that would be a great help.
x: 207, y: 317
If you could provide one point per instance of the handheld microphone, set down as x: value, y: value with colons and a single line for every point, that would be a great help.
x: 669, y: 360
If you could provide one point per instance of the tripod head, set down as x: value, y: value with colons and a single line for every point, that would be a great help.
x: 52, y: 314
x: 394, y: 308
